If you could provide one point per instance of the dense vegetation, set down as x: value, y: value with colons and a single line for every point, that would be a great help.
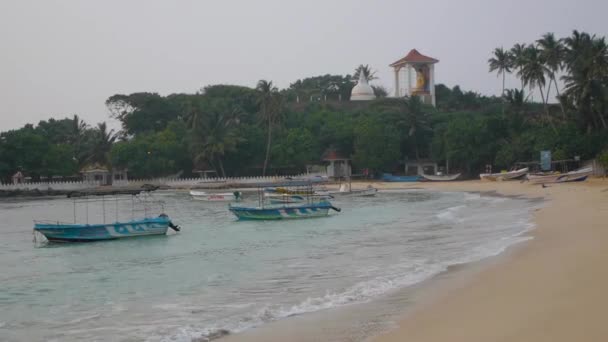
x: 244, y: 131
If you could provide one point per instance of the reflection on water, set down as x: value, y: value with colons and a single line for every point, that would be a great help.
x: 219, y: 273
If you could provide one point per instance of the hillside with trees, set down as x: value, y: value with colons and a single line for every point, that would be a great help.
x: 240, y: 131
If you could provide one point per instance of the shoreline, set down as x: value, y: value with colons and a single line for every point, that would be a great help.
x: 449, y: 296
x: 551, y: 288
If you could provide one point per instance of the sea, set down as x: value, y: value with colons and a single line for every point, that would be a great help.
x: 219, y: 275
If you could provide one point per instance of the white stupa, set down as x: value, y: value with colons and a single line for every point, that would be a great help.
x: 362, y: 91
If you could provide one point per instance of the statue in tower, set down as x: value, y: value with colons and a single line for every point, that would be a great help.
x: 420, y: 79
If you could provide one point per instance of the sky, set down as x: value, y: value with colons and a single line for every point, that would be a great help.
x: 64, y: 57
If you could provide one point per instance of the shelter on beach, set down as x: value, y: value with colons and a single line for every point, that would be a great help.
x: 18, y: 178
x: 417, y: 65
x: 420, y: 167
x: 96, y: 173
x: 339, y: 165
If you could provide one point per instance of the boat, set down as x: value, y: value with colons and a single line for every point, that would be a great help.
x: 556, y: 177
x: 283, y: 211
x: 502, y: 176
x: 309, y: 206
x: 387, y: 177
x: 55, y: 231
x: 345, y: 190
x: 440, y: 177
x: 216, y: 197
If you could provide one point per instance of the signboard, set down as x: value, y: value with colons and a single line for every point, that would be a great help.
x: 545, y: 160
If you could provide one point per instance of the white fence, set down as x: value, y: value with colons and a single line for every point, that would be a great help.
x: 170, y: 182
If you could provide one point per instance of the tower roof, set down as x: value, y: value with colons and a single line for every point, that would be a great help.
x: 415, y: 57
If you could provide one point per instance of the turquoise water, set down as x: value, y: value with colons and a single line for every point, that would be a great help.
x: 222, y: 274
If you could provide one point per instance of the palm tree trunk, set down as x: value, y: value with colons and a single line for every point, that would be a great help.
x: 219, y: 161
x: 268, y: 140
x: 547, y: 118
x: 502, y: 95
x: 559, y: 98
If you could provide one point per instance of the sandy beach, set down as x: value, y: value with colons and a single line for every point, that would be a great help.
x: 552, y: 288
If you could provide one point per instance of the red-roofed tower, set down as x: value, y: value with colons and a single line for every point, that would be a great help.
x: 417, y: 65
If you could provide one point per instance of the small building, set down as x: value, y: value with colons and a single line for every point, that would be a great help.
x: 420, y: 167
x: 339, y: 165
x: 18, y: 178
x: 417, y: 65
x: 96, y: 173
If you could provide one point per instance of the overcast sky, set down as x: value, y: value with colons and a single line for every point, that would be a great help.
x: 60, y: 57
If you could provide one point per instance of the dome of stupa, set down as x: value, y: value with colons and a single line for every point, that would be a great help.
x: 362, y: 91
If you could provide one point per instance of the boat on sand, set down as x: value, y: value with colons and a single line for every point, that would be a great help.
x: 440, y: 177
x: 502, y: 176
x: 556, y: 177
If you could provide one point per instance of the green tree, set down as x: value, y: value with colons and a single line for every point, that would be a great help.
x: 270, y: 113
x: 501, y: 62
x: 376, y: 144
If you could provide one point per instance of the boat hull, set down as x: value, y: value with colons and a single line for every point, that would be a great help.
x: 573, y: 176
x: 387, y: 177
x: 370, y: 192
x: 445, y: 178
x: 511, y: 175
x: 58, y: 232
x: 213, y: 197
x: 282, y: 212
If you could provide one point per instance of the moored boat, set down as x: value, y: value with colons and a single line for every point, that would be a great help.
x: 441, y: 178
x: 66, y: 232
x: 345, y: 190
x: 309, y: 207
x: 55, y: 231
x: 502, y: 176
x: 215, y: 197
x: 572, y: 176
x: 283, y: 211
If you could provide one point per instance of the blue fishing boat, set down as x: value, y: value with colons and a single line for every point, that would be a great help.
x: 282, y: 212
x: 309, y: 207
x: 65, y: 232
x: 387, y: 177
x: 55, y: 231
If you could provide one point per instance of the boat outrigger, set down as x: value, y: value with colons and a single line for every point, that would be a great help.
x: 310, y: 205
x: 55, y: 231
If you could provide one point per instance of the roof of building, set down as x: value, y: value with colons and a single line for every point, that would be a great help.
x: 415, y: 57
x: 332, y: 154
x: 94, y: 168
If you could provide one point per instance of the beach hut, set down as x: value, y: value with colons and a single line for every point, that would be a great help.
x: 339, y: 165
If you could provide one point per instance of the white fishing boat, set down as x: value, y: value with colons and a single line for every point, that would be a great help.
x: 440, y: 177
x: 502, y: 176
x: 345, y: 190
x: 556, y: 177
x: 215, y: 197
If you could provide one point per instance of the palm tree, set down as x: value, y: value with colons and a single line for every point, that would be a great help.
x: 214, y: 133
x: 410, y: 116
x: 102, y: 144
x: 367, y: 72
x: 533, y: 74
x: 552, y: 52
x: 585, y: 84
x: 501, y: 62
x: 517, y: 58
x: 269, y: 102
